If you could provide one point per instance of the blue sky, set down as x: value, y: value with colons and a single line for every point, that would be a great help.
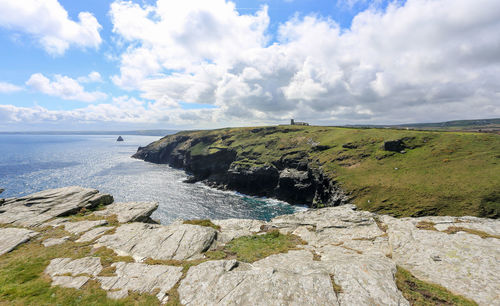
x: 199, y: 64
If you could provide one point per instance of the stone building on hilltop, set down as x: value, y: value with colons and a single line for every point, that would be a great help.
x: 293, y: 122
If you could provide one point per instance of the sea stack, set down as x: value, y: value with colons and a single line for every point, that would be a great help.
x: 120, y: 138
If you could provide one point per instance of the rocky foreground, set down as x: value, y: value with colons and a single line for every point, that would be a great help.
x: 345, y: 256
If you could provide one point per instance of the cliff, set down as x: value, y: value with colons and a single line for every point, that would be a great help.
x: 104, y: 254
x: 398, y: 172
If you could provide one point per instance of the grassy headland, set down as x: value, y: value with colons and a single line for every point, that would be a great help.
x: 438, y: 173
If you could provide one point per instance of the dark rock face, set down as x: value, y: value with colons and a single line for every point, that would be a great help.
x: 399, y: 145
x: 290, y: 178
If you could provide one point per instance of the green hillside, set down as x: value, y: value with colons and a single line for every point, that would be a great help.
x: 438, y: 173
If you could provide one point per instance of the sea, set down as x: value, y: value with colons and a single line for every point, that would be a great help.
x: 32, y: 163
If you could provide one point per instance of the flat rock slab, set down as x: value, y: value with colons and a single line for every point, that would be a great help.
x: 94, y: 233
x: 10, y: 238
x: 130, y: 211
x: 463, y: 263
x: 221, y: 283
x: 234, y: 228
x: 82, y: 226
x: 37, y: 208
x: 177, y: 241
x: 90, y: 266
x: 140, y: 278
x: 75, y: 273
x: 55, y: 241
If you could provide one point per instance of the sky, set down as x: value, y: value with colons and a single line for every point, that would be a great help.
x: 190, y: 64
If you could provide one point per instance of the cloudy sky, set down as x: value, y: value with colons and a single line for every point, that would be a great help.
x: 95, y: 64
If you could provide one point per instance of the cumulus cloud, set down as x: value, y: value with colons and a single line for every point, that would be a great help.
x: 417, y: 61
x: 49, y: 23
x: 121, y: 110
x: 9, y: 88
x: 93, y: 77
x: 63, y: 87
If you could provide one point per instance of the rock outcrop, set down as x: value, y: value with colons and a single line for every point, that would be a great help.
x: 349, y: 257
x: 292, y: 178
x: 130, y: 211
x: 10, y: 238
x: 35, y: 209
x: 141, y: 241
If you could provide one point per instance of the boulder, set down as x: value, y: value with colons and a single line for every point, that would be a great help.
x: 10, y: 238
x: 130, y: 211
x: 176, y: 241
x: 120, y: 138
x: 35, y: 209
x: 141, y: 278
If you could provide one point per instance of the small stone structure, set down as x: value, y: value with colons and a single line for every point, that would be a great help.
x: 293, y: 122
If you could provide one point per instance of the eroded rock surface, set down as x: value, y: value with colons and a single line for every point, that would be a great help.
x: 140, y: 278
x: 69, y: 273
x: 463, y: 263
x: 54, y: 241
x: 94, y: 233
x: 82, y: 226
x: 141, y: 240
x: 37, y: 208
x: 10, y: 238
x: 234, y: 228
x: 130, y: 211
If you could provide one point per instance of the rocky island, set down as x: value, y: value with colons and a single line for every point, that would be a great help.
x: 76, y: 244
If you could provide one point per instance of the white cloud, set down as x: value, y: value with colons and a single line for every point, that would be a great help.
x: 418, y: 62
x: 63, y: 87
x: 9, y: 88
x: 49, y: 23
x: 93, y: 77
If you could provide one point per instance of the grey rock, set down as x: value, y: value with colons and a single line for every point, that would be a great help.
x: 220, y: 283
x: 54, y: 241
x: 234, y: 228
x: 35, y: 209
x: 94, y: 233
x: 82, y: 226
x: 86, y: 266
x: 10, y: 238
x: 177, y: 241
x: 130, y: 211
x: 69, y: 273
x: 141, y: 278
x: 467, y: 265
x: 70, y: 281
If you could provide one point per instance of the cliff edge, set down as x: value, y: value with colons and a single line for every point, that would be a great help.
x: 396, y: 172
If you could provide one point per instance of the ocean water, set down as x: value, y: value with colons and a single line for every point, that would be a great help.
x: 31, y: 163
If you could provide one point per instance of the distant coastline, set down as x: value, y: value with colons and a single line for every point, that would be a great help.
x: 137, y: 132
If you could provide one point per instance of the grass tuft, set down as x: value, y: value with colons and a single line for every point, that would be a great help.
x: 456, y: 229
x: 202, y: 222
x: 418, y: 292
x: 255, y: 247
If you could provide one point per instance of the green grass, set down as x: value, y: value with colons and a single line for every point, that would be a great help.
x: 22, y: 281
x: 202, y: 222
x: 444, y: 173
x: 255, y: 247
x: 419, y: 293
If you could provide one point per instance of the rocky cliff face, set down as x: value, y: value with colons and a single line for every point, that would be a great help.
x: 292, y: 178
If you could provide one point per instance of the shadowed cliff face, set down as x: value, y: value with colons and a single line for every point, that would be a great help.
x: 291, y: 178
